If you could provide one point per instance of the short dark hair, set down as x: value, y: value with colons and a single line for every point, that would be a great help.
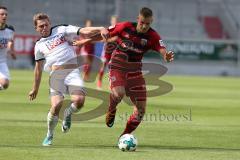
x: 146, y: 12
x: 39, y: 16
x: 3, y: 7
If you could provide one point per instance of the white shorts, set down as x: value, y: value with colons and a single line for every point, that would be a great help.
x: 4, y: 72
x: 65, y: 81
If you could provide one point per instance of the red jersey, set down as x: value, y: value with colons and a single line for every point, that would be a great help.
x: 133, y: 44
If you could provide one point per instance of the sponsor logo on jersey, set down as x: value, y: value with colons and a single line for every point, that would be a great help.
x: 3, y: 43
x: 143, y: 42
x: 55, y: 41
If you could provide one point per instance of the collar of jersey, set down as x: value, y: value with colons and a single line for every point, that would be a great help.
x: 3, y: 26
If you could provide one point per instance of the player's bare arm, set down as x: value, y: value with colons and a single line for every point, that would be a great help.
x: 37, y: 80
x: 91, y: 34
x: 11, y: 49
x: 168, y: 56
x: 89, y: 40
x: 94, y: 33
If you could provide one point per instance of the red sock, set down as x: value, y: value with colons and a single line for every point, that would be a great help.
x: 101, y: 73
x: 132, y: 123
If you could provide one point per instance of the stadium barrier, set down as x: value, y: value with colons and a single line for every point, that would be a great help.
x: 190, y: 52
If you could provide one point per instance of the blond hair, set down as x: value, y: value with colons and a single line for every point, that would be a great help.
x: 40, y: 16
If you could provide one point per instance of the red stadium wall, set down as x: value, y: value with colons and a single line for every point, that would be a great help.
x: 23, y: 44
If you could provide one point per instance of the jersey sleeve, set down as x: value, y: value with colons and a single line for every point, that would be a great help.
x: 11, y: 35
x: 72, y: 30
x: 157, y: 43
x: 38, y: 54
x: 116, y: 29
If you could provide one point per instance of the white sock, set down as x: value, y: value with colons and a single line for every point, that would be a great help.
x: 52, y: 123
x: 71, y: 109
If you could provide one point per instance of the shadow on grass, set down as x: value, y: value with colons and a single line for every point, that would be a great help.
x: 187, y: 148
x: 141, y: 148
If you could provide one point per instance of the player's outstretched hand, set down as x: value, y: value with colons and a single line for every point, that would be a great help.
x: 169, y: 56
x: 32, y: 94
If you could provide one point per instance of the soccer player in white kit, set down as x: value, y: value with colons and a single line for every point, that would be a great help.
x: 6, y: 47
x: 54, y: 48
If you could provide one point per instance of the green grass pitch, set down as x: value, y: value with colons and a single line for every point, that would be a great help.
x: 199, y: 119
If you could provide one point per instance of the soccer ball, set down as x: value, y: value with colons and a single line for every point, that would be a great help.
x: 127, y: 142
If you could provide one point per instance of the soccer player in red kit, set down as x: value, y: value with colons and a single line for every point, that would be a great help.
x: 134, y: 39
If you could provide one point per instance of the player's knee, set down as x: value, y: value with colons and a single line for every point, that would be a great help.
x: 118, y: 96
x: 79, y: 101
x: 5, y: 84
x: 55, y: 108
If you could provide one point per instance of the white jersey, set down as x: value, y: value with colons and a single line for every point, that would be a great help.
x: 55, y: 48
x: 6, y: 35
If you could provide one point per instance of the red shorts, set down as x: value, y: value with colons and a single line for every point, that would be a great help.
x: 133, y: 82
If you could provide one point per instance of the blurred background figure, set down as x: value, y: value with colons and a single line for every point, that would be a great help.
x: 87, y: 51
x: 108, y: 48
x: 6, y: 47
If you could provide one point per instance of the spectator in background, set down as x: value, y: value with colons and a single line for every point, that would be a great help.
x: 87, y: 51
x: 108, y: 48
